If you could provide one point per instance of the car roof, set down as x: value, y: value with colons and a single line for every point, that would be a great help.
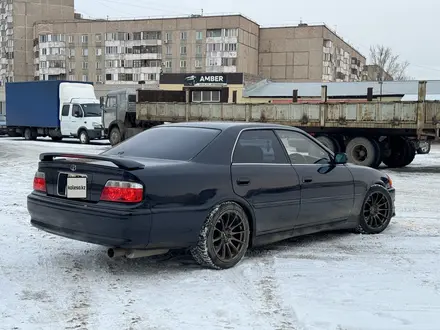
x: 224, y: 125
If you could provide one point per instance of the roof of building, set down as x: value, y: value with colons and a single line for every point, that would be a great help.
x: 269, y: 89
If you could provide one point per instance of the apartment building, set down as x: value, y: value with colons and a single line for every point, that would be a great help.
x: 307, y: 53
x: 17, y: 18
x: 115, y: 52
x: 48, y: 40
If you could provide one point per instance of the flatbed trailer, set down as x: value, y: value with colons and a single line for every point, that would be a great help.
x: 369, y: 132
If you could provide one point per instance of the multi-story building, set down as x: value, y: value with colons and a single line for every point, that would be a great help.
x: 307, y: 53
x: 115, y: 52
x: 374, y: 72
x: 17, y: 18
x: 47, y: 40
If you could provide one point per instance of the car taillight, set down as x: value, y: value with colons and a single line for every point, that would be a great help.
x: 40, y: 182
x: 122, y: 191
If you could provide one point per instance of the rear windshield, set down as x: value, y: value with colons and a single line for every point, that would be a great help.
x: 173, y: 143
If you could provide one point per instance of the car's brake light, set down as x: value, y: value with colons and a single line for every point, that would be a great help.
x: 122, y: 191
x: 40, y: 182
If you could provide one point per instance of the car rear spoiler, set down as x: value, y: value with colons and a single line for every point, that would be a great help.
x: 125, y: 164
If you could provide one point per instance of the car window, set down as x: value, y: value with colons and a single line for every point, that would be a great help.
x: 259, y: 146
x: 302, y: 149
x: 65, y: 111
x: 167, y: 142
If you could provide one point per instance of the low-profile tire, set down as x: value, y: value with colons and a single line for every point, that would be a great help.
x: 378, y: 148
x: 224, y: 237
x: 114, y: 136
x: 376, y: 211
x: 424, y: 149
x: 84, y: 137
x: 361, y: 151
x: 328, y: 142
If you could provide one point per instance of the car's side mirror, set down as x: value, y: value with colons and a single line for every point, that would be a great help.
x: 341, y: 158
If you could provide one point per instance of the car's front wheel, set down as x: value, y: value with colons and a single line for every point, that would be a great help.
x: 376, y: 212
x: 224, y: 237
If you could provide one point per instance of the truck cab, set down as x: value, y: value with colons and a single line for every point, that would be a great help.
x: 82, y: 118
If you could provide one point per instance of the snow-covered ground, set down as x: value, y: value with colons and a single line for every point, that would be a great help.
x: 337, y: 281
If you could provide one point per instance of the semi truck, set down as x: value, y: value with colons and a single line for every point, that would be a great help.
x: 53, y: 108
x: 371, y: 133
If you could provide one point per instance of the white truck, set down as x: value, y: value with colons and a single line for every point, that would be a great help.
x: 53, y: 108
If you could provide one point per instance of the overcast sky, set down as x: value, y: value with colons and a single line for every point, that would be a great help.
x: 411, y: 28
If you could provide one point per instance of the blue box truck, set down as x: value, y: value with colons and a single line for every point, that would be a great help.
x: 53, y: 108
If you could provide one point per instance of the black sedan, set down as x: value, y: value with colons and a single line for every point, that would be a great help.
x: 214, y: 188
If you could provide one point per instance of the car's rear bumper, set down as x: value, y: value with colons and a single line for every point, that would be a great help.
x: 98, y: 224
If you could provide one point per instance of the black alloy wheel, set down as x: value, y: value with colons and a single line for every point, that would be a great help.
x: 229, y: 236
x: 224, y: 237
x: 376, y: 212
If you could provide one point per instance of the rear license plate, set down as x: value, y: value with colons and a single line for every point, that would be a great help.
x: 76, y: 187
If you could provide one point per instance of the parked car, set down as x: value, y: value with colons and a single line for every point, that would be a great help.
x: 209, y: 187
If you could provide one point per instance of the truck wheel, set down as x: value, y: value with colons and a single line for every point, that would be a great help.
x: 114, y: 136
x: 84, y: 137
x: 328, y: 142
x: 27, y: 134
x: 424, y: 148
x: 378, y: 148
x: 402, y: 154
x: 361, y: 151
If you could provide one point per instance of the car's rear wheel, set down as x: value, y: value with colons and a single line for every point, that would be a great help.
x: 376, y: 212
x: 224, y: 237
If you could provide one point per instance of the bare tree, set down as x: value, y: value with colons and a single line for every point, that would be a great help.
x: 387, y: 65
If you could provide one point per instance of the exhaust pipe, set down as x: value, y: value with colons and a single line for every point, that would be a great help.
x: 133, y: 253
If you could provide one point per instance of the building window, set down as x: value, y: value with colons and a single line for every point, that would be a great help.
x: 198, y: 49
x: 212, y: 62
x: 226, y: 61
x: 98, y: 51
x: 84, y: 38
x: 72, y: 77
x: 151, y: 35
x: 198, y: 64
x: 99, y: 78
x: 111, y: 50
x: 85, y: 77
x: 168, y: 50
x: 168, y: 64
x: 71, y: 39
x: 199, y: 35
x: 183, y: 64
x: 206, y: 96
x: 85, y: 52
x: 214, y: 47
x: 72, y: 52
x: 44, y: 51
x: 72, y: 65
x: 109, y: 64
x: 98, y: 65
x: 85, y: 65
x: 137, y: 35
x: 98, y: 37
x: 183, y: 35
x: 108, y: 76
x: 230, y: 47
x: 213, y: 33
x: 168, y: 36
x: 231, y: 32
x: 182, y: 50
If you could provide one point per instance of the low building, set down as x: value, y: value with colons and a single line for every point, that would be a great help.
x: 282, y: 92
x: 207, y: 87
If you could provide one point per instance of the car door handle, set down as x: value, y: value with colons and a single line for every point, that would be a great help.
x: 307, y: 179
x: 243, y: 181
